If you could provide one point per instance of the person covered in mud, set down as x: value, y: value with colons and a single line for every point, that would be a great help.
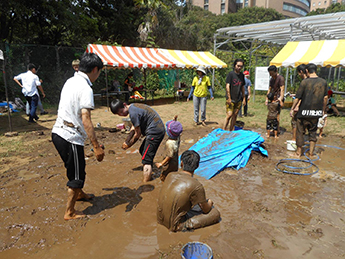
x: 73, y: 125
x: 172, y: 145
x: 303, y: 75
x: 146, y: 122
x: 313, y: 96
x: 235, y: 94
x: 273, y: 108
x: 182, y: 203
x: 277, y: 86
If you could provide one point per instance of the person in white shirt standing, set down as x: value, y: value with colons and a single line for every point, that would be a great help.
x: 73, y: 125
x: 30, y: 82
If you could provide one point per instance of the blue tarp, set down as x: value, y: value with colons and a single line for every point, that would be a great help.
x: 4, y: 104
x: 223, y: 149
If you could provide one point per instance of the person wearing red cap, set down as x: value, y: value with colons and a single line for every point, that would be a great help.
x: 172, y: 145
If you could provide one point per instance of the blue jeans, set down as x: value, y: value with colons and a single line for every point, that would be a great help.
x: 33, y: 102
x: 199, y: 102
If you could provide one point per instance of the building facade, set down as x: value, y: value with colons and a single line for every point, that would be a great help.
x: 315, y: 4
x: 289, y: 8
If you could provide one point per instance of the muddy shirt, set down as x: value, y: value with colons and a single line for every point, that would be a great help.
x: 180, y: 192
x: 273, y: 110
x: 172, y: 146
x: 311, y: 93
x: 147, y: 118
x: 275, y: 85
x: 236, y: 82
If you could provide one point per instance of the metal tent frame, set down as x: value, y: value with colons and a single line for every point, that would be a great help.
x: 309, y: 28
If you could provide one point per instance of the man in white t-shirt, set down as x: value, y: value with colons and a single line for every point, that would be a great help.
x: 73, y: 125
x: 30, y: 82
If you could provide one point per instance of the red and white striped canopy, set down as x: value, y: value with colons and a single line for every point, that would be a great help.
x: 134, y: 57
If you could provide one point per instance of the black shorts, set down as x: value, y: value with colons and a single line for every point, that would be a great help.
x: 149, y: 147
x: 73, y: 157
x: 302, y: 126
x: 272, y: 124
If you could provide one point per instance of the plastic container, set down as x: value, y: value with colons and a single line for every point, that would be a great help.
x: 196, y: 250
x: 291, y: 145
x: 120, y: 126
x: 238, y: 127
x: 127, y: 122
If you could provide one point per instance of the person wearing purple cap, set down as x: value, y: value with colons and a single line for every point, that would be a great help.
x: 172, y: 145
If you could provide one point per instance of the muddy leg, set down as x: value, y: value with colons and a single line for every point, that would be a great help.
x: 203, y: 220
x: 147, y: 171
x: 70, y: 212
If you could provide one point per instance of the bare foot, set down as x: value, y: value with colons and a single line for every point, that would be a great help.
x: 320, y: 136
x: 203, y: 123
x: 75, y: 215
x: 276, y: 136
x: 84, y: 197
x: 295, y: 155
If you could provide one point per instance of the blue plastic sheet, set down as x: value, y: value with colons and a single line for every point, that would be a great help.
x: 223, y: 149
x: 4, y: 104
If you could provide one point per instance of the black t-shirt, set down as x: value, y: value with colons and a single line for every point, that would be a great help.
x: 147, y: 118
x: 236, y: 82
x: 275, y: 85
x: 311, y: 93
x: 125, y: 86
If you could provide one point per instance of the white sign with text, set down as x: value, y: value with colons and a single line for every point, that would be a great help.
x: 262, y: 78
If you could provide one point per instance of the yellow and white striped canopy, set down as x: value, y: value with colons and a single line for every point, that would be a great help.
x: 322, y: 53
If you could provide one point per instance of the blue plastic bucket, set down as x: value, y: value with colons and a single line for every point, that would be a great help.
x: 238, y: 128
x: 196, y: 250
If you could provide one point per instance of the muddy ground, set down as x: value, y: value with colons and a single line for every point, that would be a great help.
x: 265, y: 213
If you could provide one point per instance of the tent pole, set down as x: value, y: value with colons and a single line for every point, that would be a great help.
x: 286, y: 79
x: 339, y: 73
x: 6, y: 93
x: 106, y: 83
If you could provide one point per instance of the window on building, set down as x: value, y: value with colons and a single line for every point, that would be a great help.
x: 306, y: 2
x: 222, y: 8
x: 313, y: 4
x: 325, y: 2
x: 246, y: 3
x: 294, y: 9
x: 319, y: 3
x: 239, y: 4
x: 206, y: 5
x: 223, y: 2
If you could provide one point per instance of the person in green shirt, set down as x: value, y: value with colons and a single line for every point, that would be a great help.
x: 200, y: 86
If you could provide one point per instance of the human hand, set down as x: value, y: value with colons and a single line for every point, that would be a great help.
x: 187, y: 99
x: 292, y: 113
x: 210, y: 202
x: 99, y: 153
x: 266, y: 102
x: 125, y: 146
x: 212, y: 98
x: 228, y: 101
x: 44, y: 95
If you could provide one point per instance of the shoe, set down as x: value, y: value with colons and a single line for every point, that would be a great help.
x: 44, y: 112
x: 196, y: 123
x: 36, y: 118
x: 32, y: 121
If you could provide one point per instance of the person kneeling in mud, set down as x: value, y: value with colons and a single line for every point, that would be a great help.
x: 182, y: 203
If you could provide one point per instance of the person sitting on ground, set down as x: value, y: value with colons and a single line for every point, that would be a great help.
x: 321, y: 124
x: 273, y: 109
x: 331, y: 106
x: 146, y: 122
x: 182, y: 203
x: 172, y: 145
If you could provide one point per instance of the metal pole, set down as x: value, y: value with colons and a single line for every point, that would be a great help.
x: 106, y: 83
x: 6, y: 93
x: 339, y: 73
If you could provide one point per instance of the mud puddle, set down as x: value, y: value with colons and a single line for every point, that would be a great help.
x: 265, y: 213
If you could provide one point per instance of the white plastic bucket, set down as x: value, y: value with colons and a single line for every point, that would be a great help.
x: 291, y: 145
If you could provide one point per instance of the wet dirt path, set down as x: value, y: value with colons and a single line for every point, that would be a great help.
x: 265, y: 213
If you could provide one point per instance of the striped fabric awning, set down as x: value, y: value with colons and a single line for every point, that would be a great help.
x: 322, y: 53
x: 134, y: 57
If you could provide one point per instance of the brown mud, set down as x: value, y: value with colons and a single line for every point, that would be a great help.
x: 265, y: 213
